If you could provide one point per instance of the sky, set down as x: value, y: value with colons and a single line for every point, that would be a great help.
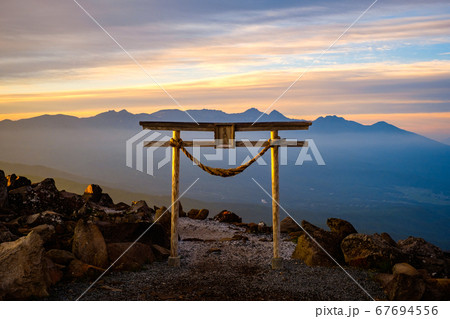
x: 392, y: 65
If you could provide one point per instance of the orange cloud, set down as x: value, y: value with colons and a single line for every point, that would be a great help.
x: 340, y: 89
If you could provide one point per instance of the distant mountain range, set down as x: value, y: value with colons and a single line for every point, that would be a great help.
x: 377, y: 176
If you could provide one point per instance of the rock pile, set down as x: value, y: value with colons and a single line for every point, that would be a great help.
x: 407, y: 270
x: 47, y: 235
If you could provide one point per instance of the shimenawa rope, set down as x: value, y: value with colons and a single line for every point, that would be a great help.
x: 223, y: 172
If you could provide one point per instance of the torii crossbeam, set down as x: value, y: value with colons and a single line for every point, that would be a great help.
x: 224, y: 137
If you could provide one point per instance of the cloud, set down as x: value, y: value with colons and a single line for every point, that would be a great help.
x: 351, y: 88
x: 51, y: 40
x: 225, y: 54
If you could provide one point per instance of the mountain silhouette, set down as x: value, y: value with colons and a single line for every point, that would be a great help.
x: 380, y: 177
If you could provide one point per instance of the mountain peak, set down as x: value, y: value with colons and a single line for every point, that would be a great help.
x: 386, y: 127
x: 113, y: 114
x: 252, y: 110
x: 333, y: 118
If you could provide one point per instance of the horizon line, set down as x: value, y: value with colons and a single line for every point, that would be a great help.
x: 411, y: 121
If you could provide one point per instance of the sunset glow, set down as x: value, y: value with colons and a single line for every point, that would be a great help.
x: 393, y: 65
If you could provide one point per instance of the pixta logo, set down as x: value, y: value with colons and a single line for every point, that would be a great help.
x: 136, y: 156
x: 135, y: 146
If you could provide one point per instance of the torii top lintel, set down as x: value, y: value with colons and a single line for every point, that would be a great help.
x: 238, y: 126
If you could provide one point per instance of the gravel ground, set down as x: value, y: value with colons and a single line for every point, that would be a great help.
x: 218, y: 268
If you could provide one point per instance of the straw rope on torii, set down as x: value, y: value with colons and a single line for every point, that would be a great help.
x: 224, y: 134
x: 222, y: 172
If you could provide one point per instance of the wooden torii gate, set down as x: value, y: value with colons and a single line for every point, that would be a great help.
x: 224, y: 137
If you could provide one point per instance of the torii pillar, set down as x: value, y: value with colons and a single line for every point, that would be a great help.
x: 174, y: 259
x: 277, y: 262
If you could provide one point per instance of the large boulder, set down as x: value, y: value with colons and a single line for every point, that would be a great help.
x: 3, y: 190
x: 424, y: 255
x: 309, y: 251
x: 135, y: 255
x: 226, y: 216
x: 340, y: 227
x: 288, y: 225
x: 89, y: 245
x: 198, y: 214
x: 370, y: 252
x: 407, y: 284
x: 94, y: 193
x: 23, y: 268
x: 17, y: 181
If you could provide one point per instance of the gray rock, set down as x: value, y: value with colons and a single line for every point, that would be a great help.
x: 23, y: 268
x: 370, y: 252
x: 341, y: 227
x: 309, y: 251
x: 424, y: 255
x: 406, y: 285
x: 288, y: 225
x: 226, y: 216
x: 94, y: 193
x: 89, y: 245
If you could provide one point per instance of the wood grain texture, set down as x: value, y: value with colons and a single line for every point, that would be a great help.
x: 212, y: 143
x: 175, y: 194
x: 275, y: 197
x: 239, y: 126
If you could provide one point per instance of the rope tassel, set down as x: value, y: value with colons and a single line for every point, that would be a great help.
x: 223, y: 172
